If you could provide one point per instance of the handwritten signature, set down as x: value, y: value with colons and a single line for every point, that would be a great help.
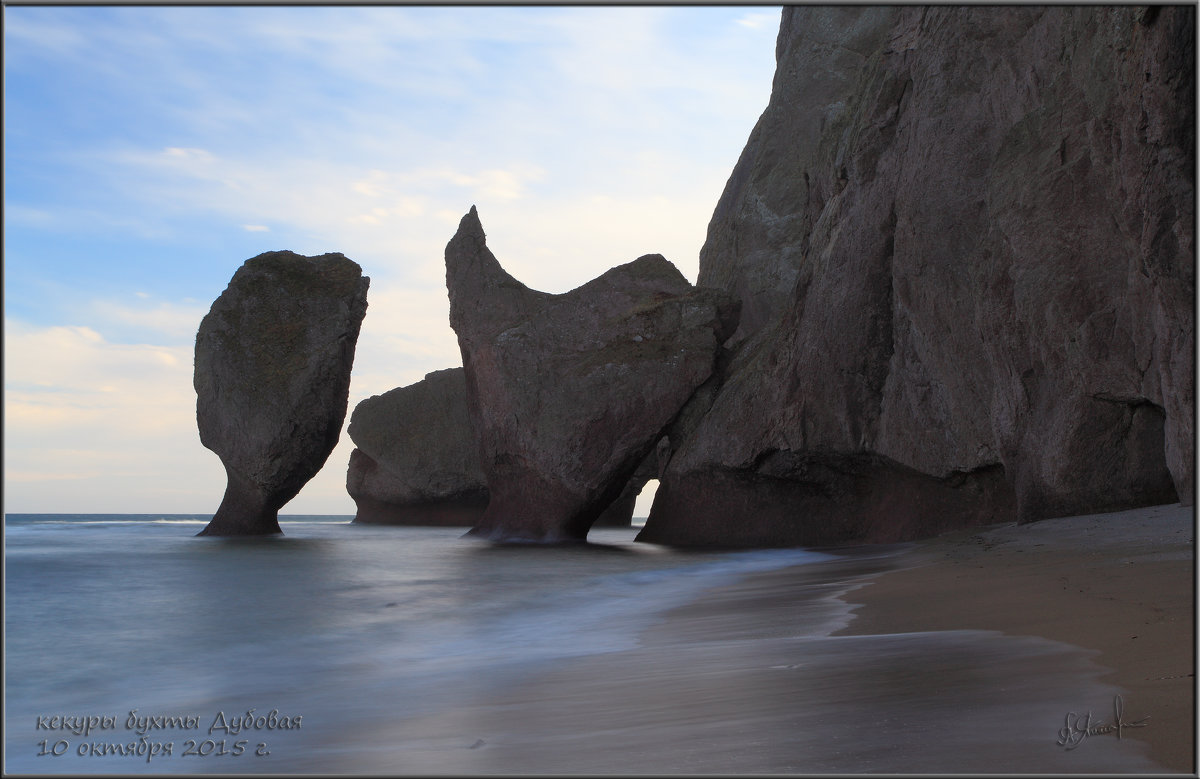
x: 1077, y: 727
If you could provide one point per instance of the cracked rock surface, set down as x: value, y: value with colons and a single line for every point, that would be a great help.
x: 962, y: 238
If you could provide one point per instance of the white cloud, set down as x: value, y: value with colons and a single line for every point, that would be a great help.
x: 119, y: 418
x: 393, y: 224
x: 161, y: 322
x: 602, y: 103
x: 760, y: 20
x: 586, y: 136
x: 374, y: 185
x: 405, y: 335
x: 398, y: 223
x: 16, y: 214
x: 112, y: 428
x: 503, y: 184
x: 71, y: 374
x: 190, y: 155
x: 558, y: 246
x: 44, y: 37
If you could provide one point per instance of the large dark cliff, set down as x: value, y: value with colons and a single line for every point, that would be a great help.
x: 963, y: 239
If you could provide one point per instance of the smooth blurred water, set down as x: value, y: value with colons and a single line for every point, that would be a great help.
x: 407, y: 650
x: 343, y: 625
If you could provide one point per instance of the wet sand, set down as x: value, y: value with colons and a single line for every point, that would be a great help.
x: 964, y: 654
x: 1121, y: 584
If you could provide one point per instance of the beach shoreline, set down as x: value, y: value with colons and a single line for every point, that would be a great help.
x: 1121, y: 584
x: 912, y: 658
x: 960, y: 654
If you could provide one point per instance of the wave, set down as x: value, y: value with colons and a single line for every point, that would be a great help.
x: 594, y: 615
x: 157, y: 519
x: 122, y: 522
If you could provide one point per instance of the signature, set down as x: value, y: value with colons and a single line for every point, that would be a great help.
x: 1077, y: 727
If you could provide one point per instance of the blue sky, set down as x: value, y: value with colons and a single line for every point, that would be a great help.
x: 150, y: 151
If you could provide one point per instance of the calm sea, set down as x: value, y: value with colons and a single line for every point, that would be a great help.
x: 120, y: 617
x: 339, y: 648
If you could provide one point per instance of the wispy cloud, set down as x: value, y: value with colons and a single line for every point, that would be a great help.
x: 115, y: 422
x: 117, y: 416
x: 164, y: 321
x: 760, y: 20
x: 156, y: 148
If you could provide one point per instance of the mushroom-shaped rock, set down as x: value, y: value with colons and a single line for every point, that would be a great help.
x: 569, y: 393
x: 272, y: 379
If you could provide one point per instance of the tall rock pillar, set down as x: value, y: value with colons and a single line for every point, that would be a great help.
x: 272, y: 379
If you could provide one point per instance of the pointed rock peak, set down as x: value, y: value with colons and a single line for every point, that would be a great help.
x: 470, y: 261
x: 568, y: 393
x: 468, y: 241
x: 468, y: 247
x: 470, y: 224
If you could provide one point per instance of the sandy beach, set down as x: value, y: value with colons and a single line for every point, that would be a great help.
x: 962, y: 654
x: 1121, y: 584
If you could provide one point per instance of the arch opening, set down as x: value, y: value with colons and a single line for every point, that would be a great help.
x: 645, y: 498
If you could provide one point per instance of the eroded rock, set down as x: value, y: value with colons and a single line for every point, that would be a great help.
x: 963, y: 241
x: 417, y: 459
x: 272, y: 379
x: 569, y: 393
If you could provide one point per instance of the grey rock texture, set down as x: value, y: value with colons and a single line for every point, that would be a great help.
x: 620, y: 512
x: 963, y: 240
x: 417, y: 459
x: 272, y: 379
x: 569, y: 393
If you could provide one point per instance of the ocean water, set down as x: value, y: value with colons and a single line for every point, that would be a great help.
x: 134, y: 647
x: 112, y: 618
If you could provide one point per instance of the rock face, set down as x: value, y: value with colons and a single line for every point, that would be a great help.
x: 569, y: 393
x: 417, y: 461
x: 963, y: 241
x: 272, y: 379
x: 620, y: 512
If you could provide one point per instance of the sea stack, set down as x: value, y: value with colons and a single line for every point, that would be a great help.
x: 417, y: 460
x: 963, y: 240
x: 569, y: 393
x: 272, y: 379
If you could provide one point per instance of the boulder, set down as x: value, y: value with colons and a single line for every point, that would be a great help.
x: 417, y: 460
x: 272, y: 379
x: 963, y: 241
x: 569, y: 393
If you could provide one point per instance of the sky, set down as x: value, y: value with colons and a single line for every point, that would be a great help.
x: 150, y: 151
